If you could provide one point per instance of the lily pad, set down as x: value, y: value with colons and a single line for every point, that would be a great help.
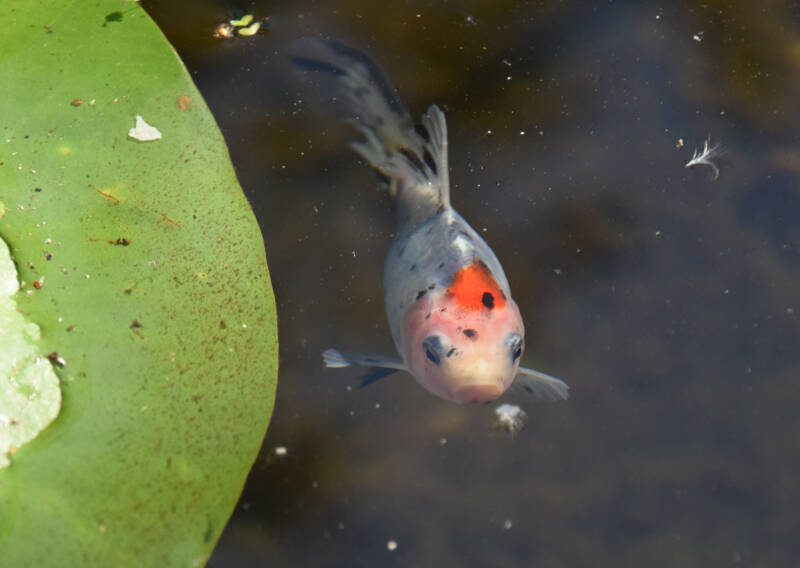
x: 143, y: 267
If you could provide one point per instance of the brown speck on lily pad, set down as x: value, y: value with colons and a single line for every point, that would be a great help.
x: 56, y: 359
x: 135, y: 327
x: 184, y: 102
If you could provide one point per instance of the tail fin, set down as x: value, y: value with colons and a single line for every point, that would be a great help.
x: 414, y: 161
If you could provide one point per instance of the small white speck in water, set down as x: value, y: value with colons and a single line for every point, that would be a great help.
x: 281, y: 450
x: 391, y: 545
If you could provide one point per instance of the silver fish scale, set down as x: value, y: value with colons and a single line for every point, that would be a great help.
x: 430, y: 255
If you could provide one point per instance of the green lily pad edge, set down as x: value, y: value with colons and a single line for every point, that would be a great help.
x: 143, y: 267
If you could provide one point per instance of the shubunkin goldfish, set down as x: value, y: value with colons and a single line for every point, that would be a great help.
x: 454, y: 323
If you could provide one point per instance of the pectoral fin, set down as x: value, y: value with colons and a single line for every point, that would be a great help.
x: 540, y: 385
x: 381, y: 366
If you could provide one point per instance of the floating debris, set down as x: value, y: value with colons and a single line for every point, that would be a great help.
x: 144, y: 132
x: 223, y: 31
x: 250, y: 30
x: 281, y: 451
x: 391, y: 545
x: 510, y: 418
x: 698, y: 37
x: 244, y: 26
x: 243, y: 21
x: 710, y: 151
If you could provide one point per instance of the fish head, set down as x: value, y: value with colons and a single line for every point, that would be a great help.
x: 465, y: 343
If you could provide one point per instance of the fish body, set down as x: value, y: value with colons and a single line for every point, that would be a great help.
x: 453, y: 320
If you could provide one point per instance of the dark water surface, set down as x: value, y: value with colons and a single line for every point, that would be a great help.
x: 668, y: 300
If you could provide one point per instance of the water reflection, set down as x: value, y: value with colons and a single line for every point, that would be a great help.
x: 667, y: 300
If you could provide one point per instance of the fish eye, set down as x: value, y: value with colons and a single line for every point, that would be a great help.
x: 433, y: 349
x: 515, y: 346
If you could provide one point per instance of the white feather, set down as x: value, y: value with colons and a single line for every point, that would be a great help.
x: 710, y: 151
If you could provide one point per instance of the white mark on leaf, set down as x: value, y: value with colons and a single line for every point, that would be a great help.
x: 144, y: 132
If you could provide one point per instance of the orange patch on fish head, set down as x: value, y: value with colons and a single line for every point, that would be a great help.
x: 474, y: 288
x: 462, y: 352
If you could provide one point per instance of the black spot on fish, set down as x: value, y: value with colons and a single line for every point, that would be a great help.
x: 428, y: 232
x: 428, y: 316
x: 423, y: 132
x: 529, y: 389
x: 431, y: 286
x: 426, y: 155
x: 413, y: 159
x: 384, y: 179
x: 487, y: 300
x: 420, y: 294
x: 400, y: 252
x: 451, y: 352
x: 413, y: 268
x: 441, y: 265
x: 471, y: 334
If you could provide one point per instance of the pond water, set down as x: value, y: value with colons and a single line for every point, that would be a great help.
x: 668, y: 300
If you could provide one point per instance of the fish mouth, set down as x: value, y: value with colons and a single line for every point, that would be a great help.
x: 478, y: 393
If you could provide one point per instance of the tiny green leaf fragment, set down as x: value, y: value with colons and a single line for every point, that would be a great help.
x: 30, y: 397
x: 251, y: 30
x: 243, y: 21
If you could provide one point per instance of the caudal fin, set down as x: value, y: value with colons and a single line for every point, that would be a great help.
x: 412, y: 160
